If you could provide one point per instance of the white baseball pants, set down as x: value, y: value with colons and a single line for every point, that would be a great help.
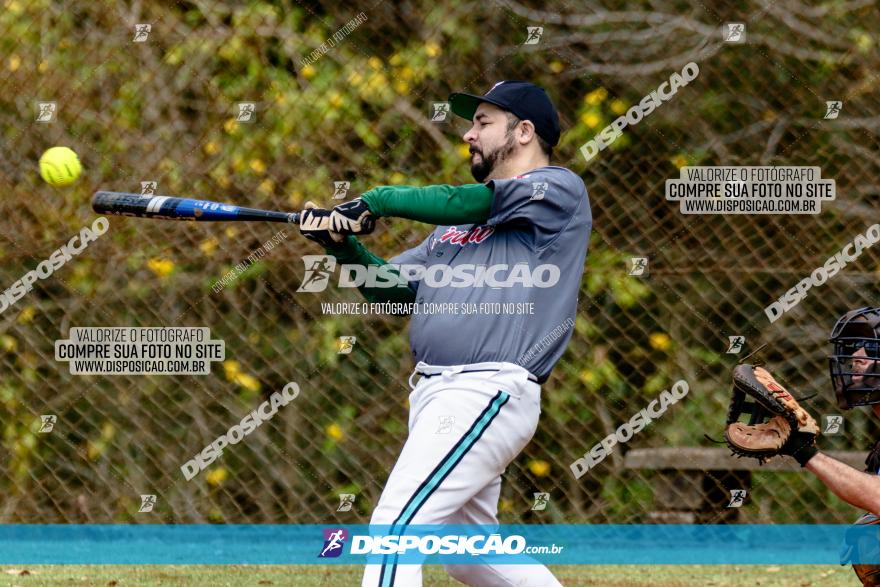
x: 466, y: 424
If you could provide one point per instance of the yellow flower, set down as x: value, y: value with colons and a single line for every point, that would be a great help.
x: 587, y: 377
x: 257, y: 166
x: 596, y: 97
x: 230, y: 125
x: 210, y: 148
x: 209, y: 246
x: 375, y: 63
x: 14, y: 62
x: 505, y: 505
x: 864, y: 42
x: 336, y: 100
x: 618, y: 106
x: 335, y: 432
x: 397, y: 178
x: 43, y: 67
x: 231, y: 232
x: 355, y: 78
x: 556, y: 66
x: 464, y: 150
x: 401, y: 87
x: 308, y: 71
x: 217, y: 476
x: 591, y: 119
x: 27, y: 315
x: 659, y: 341
x: 679, y: 161
x: 8, y: 343
x: 407, y: 72
x: 161, y: 267
x: 396, y: 59
x: 267, y: 186
x: 249, y: 382
x: 432, y: 49
x: 231, y: 369
x: 539, y: 468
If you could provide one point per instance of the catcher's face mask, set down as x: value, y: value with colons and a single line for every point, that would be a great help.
x: 855, y: 364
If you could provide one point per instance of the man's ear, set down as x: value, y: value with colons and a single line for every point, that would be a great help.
x: 526, y: 131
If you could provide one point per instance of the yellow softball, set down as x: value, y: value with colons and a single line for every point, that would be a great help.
x: 60, y: 166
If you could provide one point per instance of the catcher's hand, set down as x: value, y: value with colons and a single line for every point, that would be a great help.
x: 788, y: 430
x: 314, y: 224
x: 352, y: 217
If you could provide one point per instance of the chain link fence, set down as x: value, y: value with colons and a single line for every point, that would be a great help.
x: 346, y: 95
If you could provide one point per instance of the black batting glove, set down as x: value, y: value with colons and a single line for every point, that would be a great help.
x: 352, y: 217
x: 314, y: 224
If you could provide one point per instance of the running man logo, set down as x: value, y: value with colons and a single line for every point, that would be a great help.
x: 340, y: 189
x: 247, y: 112
x: 345, y: 345
x: 439, y: 111
x: 736, y: 344
x: 833, y: 424
x: 832, y: 109
x: 346, y: 501
x: 541, y: 501
x: 47, y: 423
x: 737, y: 497
x: 334, y: 541
x: 318, y: 271
x: 533, y: 35
x: 539, y: 189
x: 46, y: 111
x: 147, y: 503
x: 446, y: 424
x: 734, y: 32
x: 638, y: 266
x: 148, y: 188
x: 141, y: 32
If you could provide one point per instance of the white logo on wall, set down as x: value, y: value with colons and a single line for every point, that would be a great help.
x: 345, y: 344
x: 247, y: 112
x: 446, y: 424
x: 533, y: 35
x: 340, y: 189
x: 439, y: 111
x: 141, y: 32
x: 737, y: 497
x: 833, y: 424
x: 147, y: 503
x: 832, y: 109
x: 148, y: 188
x: 318, y: 270
x: 47, y: 423
x: 638, y: 266
x: 541, y: 501
x: 539, y: 189
x: 346, y: 501
x: 736, y: 344
x: 734, y: 32
x: 46, y: 111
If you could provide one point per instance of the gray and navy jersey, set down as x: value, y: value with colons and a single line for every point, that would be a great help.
x: 528, y: 256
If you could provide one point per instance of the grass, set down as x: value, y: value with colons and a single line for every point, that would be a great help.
x: 345, y: 576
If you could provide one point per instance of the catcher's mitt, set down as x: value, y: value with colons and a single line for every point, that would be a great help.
x: 777, y: 426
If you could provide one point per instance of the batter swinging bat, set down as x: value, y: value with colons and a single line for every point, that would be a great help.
x: 168, y: 208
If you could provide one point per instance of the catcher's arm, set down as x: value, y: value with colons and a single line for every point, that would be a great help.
x: 851, y: 485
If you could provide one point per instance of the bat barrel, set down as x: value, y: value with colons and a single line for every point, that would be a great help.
x: 170, y: 208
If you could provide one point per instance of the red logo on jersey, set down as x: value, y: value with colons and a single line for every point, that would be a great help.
x: 463, y: 237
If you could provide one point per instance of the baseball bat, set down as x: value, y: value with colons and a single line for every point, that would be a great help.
x: 170, y: 208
